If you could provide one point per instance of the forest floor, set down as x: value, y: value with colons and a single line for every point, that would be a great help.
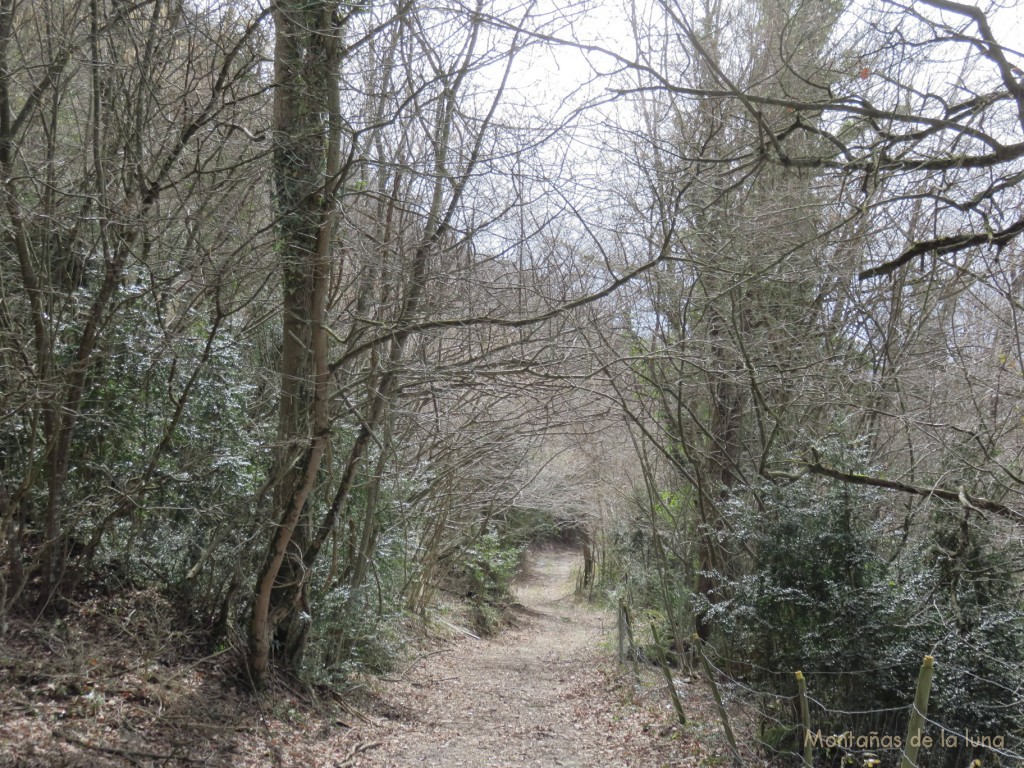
x: 544, y: 693
x: 112, y: 685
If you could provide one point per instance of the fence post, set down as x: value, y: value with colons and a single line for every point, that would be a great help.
x: 729, y: 736
x: 626, y: 635
x: 805, y: 718
x: 918, y: 713
x: 622, y: 631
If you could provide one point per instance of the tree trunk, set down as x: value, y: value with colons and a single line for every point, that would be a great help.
x: 306, y: 72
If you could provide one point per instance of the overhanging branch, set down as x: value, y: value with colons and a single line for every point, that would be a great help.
x: 958, y: 496
x: 951, y: 244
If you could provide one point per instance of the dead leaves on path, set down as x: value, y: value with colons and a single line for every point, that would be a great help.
x: 116, y: 683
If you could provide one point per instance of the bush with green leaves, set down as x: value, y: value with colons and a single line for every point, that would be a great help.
x: 816, y: 594
x: 851, y: 585
x: 648, y: 560
x: 837, y: 588
x: 171, y: 449
x: 490, y: 564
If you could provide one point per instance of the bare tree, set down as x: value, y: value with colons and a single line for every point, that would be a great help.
x: 108, y: 124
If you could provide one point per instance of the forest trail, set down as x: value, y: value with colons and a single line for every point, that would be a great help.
x: 115, y: 685
x: 532, y: 696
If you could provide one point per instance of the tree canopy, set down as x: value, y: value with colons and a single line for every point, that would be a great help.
x: 311, y: 310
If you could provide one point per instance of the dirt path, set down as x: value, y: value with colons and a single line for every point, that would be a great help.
x: 117, y: 685
x: 533, y: 696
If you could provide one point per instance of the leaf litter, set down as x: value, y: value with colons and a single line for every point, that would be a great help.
x: 117, y: 682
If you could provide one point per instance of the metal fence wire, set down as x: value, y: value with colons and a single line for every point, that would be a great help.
x: 789, y: 718
x: 769, y: 722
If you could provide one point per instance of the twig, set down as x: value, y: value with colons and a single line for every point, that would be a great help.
x: 348, y: 708
x: 71, y: 738
x: 457, y: 629
x: 350, y: 759
x: 413, y: 663
x: 211, y: 726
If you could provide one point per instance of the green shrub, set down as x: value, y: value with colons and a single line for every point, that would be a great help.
x: 490, y: 565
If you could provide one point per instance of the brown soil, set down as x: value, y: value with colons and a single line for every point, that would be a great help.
x: 540, y: 694
x: 118, y: 683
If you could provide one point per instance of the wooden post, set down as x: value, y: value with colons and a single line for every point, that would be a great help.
x: 628, y: 621
x: 663, y: 663
x: 622, y: 631
x: 729, y: 736
x: 588, y: 564
x: 805, y: 718
x: 918, y: 713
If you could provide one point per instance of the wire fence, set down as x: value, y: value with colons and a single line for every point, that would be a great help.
x: 782, y: 718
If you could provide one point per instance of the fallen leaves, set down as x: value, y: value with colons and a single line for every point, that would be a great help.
x: 92, y: 693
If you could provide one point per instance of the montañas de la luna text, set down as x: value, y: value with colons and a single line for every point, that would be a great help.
x: 875, y: 740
